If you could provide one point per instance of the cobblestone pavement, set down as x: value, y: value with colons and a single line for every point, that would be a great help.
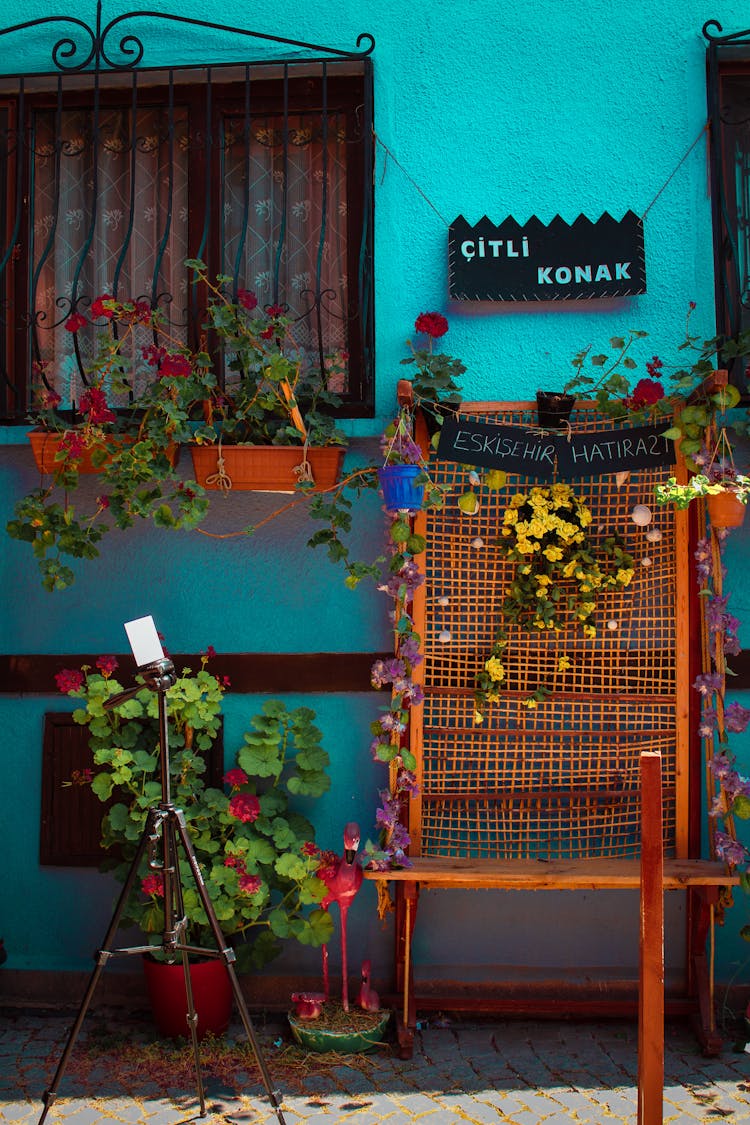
x: 462, y: 1071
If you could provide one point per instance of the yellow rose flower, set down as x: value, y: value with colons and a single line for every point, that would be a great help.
x: 563, y: 663
x: 589, y: 631
x: 624, y: 576
x: 553, y: 553
x: 530, y: 703
x: 495, y: 669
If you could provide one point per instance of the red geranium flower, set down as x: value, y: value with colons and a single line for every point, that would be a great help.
x: 176, y: 365
x: 275, y: 310
x: 245, y: 807
x: 94, y: 403
x: 48, y: 400
x: 72, y: 444
x: 75, y: 321
x: 432, y: 324
x: 153, y: 354
x: 250, y: 884
x: 153, y: 885
x: 645, y: 393
x: 106, y: 665
x: 235, y: 777
x: 104, y: 306
x: 68, y: 680
x: 247, y: 299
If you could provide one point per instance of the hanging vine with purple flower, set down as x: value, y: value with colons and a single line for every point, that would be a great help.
x: 728, y: 789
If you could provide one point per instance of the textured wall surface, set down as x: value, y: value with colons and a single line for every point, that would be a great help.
x: 536, y: 108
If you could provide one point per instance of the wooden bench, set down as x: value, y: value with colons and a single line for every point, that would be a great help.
x: 703, y: 879
x: 548, y: 798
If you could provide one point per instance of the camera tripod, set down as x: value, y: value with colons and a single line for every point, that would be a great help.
x: 165, y: 831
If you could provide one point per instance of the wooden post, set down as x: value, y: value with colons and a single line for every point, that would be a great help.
x: 651, y: 991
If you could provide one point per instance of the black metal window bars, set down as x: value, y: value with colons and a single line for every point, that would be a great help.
x: 113, y: 173
x: 728, y: 63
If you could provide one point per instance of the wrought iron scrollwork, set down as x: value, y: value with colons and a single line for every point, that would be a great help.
x: 99, y: 48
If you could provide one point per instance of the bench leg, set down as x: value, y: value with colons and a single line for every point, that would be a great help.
x: 702, y: 902
x: 407, y: 899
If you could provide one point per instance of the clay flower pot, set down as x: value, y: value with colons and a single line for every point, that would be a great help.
x: 725, y: 509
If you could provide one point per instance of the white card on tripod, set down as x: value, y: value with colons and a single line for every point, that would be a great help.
x: 144, y: 641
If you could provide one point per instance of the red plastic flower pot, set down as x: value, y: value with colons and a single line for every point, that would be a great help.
x: 212, y: 995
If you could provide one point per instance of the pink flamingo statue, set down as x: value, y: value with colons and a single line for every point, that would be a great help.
x: 367, y: 997
x: 343, y: 879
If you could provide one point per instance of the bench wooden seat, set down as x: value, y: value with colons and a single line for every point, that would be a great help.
x: 553, y: 874
x: 560, y: 777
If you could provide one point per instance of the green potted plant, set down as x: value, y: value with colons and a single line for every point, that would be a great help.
x: 256, y: 851
x: 133, y: 447
x: 268, y: 425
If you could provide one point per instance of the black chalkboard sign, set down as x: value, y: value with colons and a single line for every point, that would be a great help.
x: 546, y: 262
x: 560, y: 456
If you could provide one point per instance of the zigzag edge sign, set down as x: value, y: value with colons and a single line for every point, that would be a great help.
x: 535, y: 261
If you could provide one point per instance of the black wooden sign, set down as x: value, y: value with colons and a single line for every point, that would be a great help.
x: 540, y: 262
x: 560, y: 456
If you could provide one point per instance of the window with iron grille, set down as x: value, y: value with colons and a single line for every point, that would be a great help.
x: 729, y: 117
x: 113, y: 177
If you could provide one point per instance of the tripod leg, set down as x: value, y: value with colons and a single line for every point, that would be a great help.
x: 174, y: 918
x: 192, y: 1019
x: 102, y: 956
x: 227, y: 955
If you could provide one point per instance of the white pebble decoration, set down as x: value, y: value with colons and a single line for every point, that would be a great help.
x: 641, y: 515
x: 444, y: 600
x: 444, y: 637
x: 473, y: 477
x: 613, y: 624
x: 653, y: 535
x: 477, y: 543
x: 646, y: 561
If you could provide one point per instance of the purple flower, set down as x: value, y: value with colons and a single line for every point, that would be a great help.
x: 721, y: 767
x: 708, y: 723
x: 708, y: 683
x: 391, y: 722
x: 416, y: 695
x: 715, y: 613
x: 736, y: 718
x: 732, y: 645
x: 409, y: 651
x: 703, y: 561
x: 731, y: 851
x: 406, y: 782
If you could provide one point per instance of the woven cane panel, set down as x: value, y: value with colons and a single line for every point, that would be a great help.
x: 560, y: 779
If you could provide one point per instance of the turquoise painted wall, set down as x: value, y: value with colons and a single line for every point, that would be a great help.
x: 538, y: 108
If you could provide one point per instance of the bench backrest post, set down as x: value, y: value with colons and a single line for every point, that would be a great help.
x: 651, y: 961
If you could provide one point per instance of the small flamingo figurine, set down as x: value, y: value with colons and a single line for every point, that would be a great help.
x: 367, y: 997
x: 343, y: 879
x: 308, y: 1005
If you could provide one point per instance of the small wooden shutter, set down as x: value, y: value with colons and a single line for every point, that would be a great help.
x: 71, y: 815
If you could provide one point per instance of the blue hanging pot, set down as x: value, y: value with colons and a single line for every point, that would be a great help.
x: 399, y: 490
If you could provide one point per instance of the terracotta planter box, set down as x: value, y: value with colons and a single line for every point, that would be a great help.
x: 45, y: 445
x: 264, y: 468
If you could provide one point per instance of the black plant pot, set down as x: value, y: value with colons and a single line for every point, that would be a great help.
x: 553, y: 409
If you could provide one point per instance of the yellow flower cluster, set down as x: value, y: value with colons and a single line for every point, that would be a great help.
x: 545, y: 531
